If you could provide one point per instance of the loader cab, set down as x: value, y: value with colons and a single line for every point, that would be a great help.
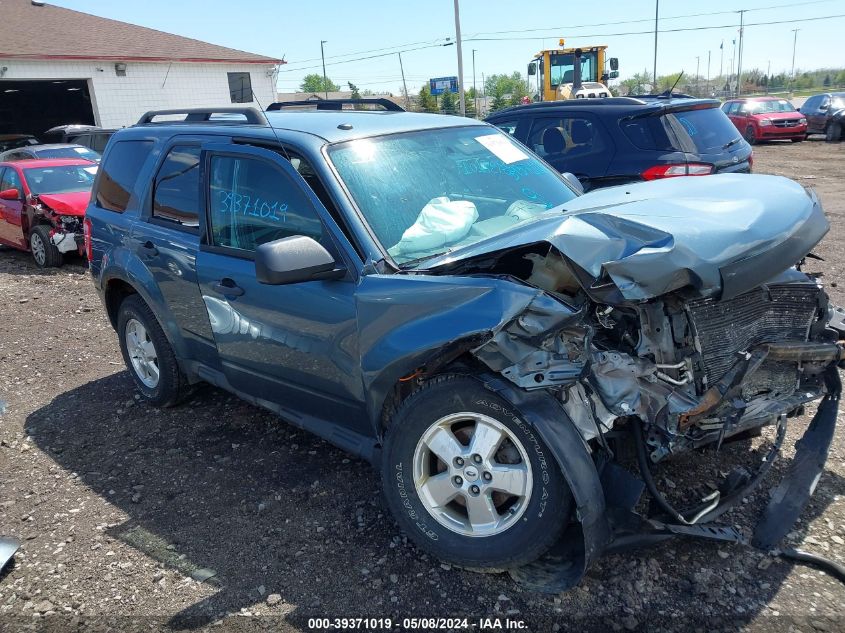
x: 552, y: 74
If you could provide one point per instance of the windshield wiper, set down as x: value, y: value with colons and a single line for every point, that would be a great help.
x: 413, y: 262
x: 732, y: 143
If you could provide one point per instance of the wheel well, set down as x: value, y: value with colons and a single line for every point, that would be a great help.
x: 464, y: 363
x: 116, y: 291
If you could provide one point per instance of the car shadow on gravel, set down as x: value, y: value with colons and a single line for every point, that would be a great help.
x: 216, y: 486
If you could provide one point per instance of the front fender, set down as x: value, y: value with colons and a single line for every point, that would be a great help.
x: 546, y: 415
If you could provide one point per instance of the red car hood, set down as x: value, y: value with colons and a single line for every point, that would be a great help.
x: 780, y: 116
x: 67, y: 203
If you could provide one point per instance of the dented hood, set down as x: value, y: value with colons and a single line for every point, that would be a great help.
x: 73, y: 203
x: 721, y: 234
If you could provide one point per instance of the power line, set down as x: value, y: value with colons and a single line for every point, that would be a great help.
x: 651, y: 31
x: 377, y: 50
x: 358, y: 59
x: 567, y: 28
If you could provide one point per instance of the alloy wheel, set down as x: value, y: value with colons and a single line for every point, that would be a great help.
x: 38, y: 248
x: 472, y: 474
x: 142, y: 353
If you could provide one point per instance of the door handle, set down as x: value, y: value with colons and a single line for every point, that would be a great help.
x: 227, y: 287
x: 148, y: 249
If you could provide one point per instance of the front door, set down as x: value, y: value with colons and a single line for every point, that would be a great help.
x: 11, y: 230
x: 294, y: 345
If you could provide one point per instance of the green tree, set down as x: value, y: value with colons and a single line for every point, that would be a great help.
x: 826, y: 82
x: 513, y: 85
x: 499, y: 102
x: 354, y: 90
x: 315, y: 83
x: 448, y: 103
x: 427, y: 102
x: 469, y: 102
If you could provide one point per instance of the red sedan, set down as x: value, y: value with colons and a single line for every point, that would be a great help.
x: 766, y: 119
x: 42, y: 206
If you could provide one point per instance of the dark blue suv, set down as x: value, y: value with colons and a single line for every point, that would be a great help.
x: 619, y: 140
x: 425, y: 293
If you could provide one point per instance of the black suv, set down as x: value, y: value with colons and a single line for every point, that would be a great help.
x: 426, y: 293
x: 825, y: 115
x: 619, y: 140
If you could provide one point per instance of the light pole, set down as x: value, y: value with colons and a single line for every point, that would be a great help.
x: 460, y: 59
x: 792, y: 74
x: 722, y: 61
x: 739, y: 63
x: 708, y: 73
x: 474, y: 90
x: 697, y: 66
x: 325, y: 81
x: 654, y: 73
x: 768, y: 75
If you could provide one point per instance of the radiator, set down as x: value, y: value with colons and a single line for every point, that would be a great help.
x: 768, y: 314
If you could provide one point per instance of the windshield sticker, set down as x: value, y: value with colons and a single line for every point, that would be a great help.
x: 471, y: 166
x: 503, y: 149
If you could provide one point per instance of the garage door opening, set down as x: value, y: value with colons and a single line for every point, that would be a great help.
x: 32, y: 107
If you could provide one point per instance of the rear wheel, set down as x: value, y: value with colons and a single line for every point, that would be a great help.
x: 44, y: 252
x: 749, y: 136
x: 148, y: 355
x: 833, y: 132
x: 469, y: 481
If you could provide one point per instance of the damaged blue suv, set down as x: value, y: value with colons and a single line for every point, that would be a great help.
x: 426, y: 293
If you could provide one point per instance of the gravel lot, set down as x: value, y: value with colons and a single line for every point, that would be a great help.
x: 125, y: 512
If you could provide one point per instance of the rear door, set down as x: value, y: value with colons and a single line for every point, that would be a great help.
x: 11, y: 229
x: 168, y: 237
x: 293, y: 345
x: 816, y: 116
x: 577, y: 143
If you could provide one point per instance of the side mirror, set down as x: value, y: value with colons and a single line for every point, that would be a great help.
x: 573, y: 182
x: 824, y: 107
x: 614, y: 63
x: 294, y: 259
x: 532, y: 69
x: 10, y: 194
x: 613, y: 74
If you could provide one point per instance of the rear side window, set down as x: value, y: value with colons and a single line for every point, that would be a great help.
x: 119, y: 174
x: 648, y: 133
x: 177, y: 187
x: 11, y: 180
x: 566, y: 136
x: 251, y: 202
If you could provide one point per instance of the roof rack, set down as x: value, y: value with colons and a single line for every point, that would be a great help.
x: 253, y: 116
x: 337, y: 104
x: 666, y: 95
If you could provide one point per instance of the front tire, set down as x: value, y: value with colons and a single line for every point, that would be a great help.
x: 469, y: 481
x: 833, y: 132
x: 749, y: 136
x: 44, y: 252
x: 148, y: 355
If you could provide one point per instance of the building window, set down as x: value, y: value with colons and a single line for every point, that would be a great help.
x: 240, y: 87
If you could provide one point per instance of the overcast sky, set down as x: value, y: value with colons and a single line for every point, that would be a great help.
x: 293, y: 30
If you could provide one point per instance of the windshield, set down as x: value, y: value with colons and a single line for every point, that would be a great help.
x: 69, y: 152
x: 705, y: 131
x: 64, y: 179
x: 563, y: 68
x: 761, y: 107
x: 429, y: 192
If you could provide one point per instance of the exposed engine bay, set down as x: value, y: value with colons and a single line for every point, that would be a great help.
x: 694, y: 370
x: 66, y: 231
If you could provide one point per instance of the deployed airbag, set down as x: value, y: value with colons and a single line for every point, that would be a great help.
x: 441, y: 221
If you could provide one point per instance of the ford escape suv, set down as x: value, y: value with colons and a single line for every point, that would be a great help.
x: 424, y: 292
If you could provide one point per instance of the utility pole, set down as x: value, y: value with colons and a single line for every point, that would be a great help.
x: 654, y: 73
x: 460, y: 59
x: 474, y: 90
x: 722, y: 61
x: 739, y: 63
x: 733, y: 61
x: 323, y: 56
x: 708, y: 73
x: 404, y: 85
x: 792, y: 75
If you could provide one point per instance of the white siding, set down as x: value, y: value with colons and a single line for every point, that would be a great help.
x: 120, y: 101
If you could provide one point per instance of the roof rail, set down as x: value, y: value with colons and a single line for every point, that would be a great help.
x: 253, y: 116
x: 337, y: 104
x: 667, y: 95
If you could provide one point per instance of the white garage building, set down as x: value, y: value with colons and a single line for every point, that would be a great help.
x: 59, y: 66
